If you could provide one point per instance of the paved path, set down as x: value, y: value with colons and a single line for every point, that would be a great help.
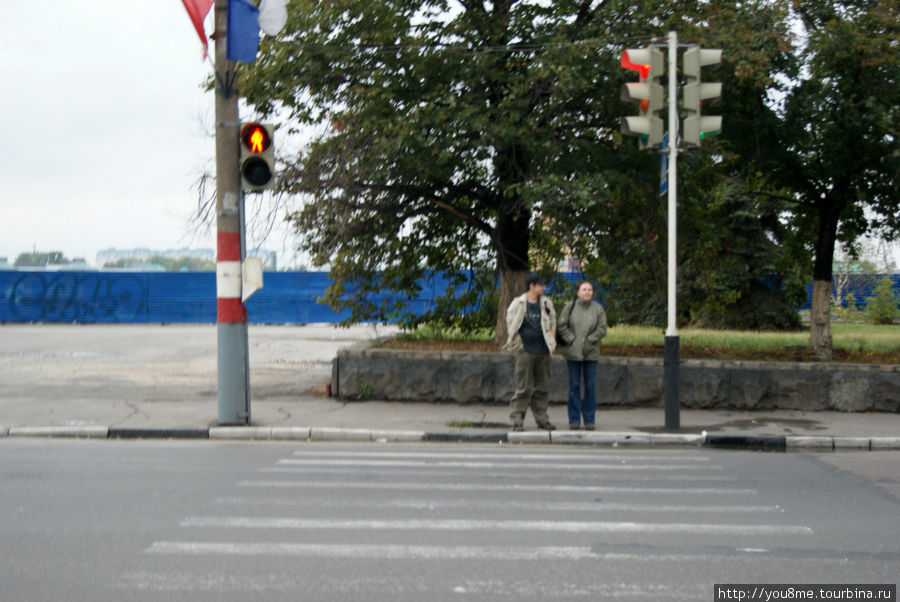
x: 160, y: 380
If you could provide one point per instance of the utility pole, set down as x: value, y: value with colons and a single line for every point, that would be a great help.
x: 231, y: 315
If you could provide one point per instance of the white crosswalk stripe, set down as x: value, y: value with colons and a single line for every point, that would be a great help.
x: 262, y: 484
x: 473, y: 504
x: 243, y: 522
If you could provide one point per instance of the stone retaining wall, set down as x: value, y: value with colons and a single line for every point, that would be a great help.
x: 462, y: 377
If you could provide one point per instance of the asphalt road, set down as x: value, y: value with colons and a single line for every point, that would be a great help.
x: 117, y: 520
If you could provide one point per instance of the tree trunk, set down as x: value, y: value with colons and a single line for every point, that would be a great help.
x: 512, y: 284
x: 512, y: 235
x: 820, y: 321
x: 511, y: 241
x: 820, y: 312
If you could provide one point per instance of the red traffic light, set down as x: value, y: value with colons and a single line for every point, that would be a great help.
x: 642, y: 68
x: 255, y: 138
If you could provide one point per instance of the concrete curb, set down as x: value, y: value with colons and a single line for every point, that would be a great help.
x: 259, y: 433
x: 158, y: 433
x: 884, y: 443
x: 677, y: 439
x: 493, y: 437
x: 77, y: 432
x: 600, y: 438
x: 763, y: 442
x: 536, y: 437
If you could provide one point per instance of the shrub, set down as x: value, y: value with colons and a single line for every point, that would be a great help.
x: 882, y: 307
x: 851, y: 313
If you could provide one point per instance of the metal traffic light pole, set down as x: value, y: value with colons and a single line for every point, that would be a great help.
x: 647, y: 93
x: 231, y: 315
x: 670, y: 359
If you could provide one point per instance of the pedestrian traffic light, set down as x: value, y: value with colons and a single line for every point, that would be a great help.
x: 257, y: 156
x: 696, y: 92
x: 647, y: 93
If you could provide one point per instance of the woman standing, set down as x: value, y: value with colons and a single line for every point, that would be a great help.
x: 581, y: 325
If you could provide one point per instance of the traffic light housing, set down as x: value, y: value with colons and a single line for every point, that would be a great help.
x: 647, y: 93
x: 257, y: 163
x: 696, y: 92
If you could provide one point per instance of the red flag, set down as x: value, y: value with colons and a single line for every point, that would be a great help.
x: 197, y: 11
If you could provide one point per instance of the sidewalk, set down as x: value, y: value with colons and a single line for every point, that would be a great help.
x: 128, y: 381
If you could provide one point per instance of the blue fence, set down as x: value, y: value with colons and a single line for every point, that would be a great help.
x: 861, y: 287
x: 140, y: 297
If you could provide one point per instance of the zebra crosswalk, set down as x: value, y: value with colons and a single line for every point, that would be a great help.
x: 432, y: 522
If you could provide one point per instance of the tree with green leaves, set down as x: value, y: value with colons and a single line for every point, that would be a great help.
x: 837, y: 148
x: 183, y: 263
x: 441, y: 123
x: 40, y: 259
x: 479, y: 139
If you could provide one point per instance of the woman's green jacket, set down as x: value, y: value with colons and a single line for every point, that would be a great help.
x: 581, y: 324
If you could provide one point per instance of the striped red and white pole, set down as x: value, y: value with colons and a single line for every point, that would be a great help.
x: 230, y: 308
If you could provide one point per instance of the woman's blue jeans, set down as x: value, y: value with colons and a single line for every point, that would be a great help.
x: 579, y: 406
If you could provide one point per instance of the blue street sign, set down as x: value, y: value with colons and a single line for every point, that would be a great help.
x: 664, y: 165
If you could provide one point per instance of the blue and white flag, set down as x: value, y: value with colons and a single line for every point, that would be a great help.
x: 243, y: 31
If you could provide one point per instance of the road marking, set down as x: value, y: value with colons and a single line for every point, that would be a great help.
x: 503, y: 487
x: 486, y: 504
x: 508, y: 465
x: 402, y: 552
x: 524, y: 526
x: 680, y: 477
x: 673, y: 456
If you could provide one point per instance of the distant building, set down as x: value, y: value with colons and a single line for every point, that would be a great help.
x: 269, y: 259
x: 76, y: 265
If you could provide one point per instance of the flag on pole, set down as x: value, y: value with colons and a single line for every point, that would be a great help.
x: 197, y: 11
x: 243, y: 31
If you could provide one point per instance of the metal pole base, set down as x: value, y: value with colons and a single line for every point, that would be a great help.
x: 234, y: 408
x: 670, y: 384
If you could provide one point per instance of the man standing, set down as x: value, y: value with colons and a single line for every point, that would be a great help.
x: 531, y: 323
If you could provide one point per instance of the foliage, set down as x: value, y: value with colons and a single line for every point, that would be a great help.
x: 858, y: 337
x: 432, y: 333
x: 169, y: 264
x: 853, y: 343
x: 39, y: 259
x: 884, y: 306
x: 477, y: 139
x: 851, y: 312
x: 836, y: 137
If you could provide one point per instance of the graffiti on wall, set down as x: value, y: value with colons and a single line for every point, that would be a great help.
x: 169, y: 297
x: 76, y: 297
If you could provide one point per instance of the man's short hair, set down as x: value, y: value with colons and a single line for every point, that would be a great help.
x: 534, y: 279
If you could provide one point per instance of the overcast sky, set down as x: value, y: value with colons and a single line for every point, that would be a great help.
x: 106, y: 127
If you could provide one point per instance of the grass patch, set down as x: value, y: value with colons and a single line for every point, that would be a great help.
x: 432, y: 333
x: 854, y: 337
x: 852, y: 343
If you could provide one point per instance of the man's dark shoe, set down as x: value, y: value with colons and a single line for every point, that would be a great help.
x: 518, y: 428
x: 547, y: 427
